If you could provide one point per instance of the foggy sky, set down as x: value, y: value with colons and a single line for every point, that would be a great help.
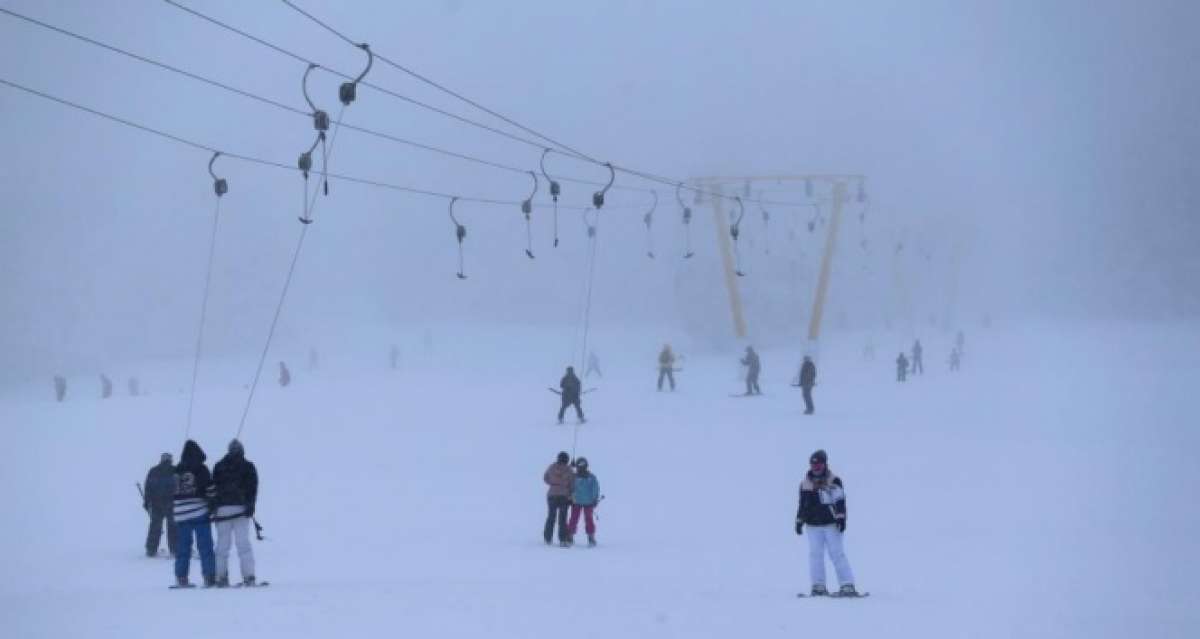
x: 1053, y: 143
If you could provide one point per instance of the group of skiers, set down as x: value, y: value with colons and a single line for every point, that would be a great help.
x: 573, y: 487
x: 916, y: 365
x: 190, y: 500
x: 106, y: 387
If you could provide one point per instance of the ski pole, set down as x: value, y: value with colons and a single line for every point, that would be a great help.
x: 143, y: 494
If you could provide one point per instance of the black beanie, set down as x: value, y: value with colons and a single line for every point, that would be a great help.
x: 563, y: 457
x: 819, y: 456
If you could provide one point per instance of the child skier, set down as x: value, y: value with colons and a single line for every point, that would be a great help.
x: 823, y: 508
x: 585, y: 495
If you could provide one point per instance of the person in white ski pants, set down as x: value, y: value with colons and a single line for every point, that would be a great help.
x: 231, y: 531
x: 821, y: 539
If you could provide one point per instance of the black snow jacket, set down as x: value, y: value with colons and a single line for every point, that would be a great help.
x: 236, y: 480
x: 194, y: 488
x: 808, y: 374
x: 821, y: 502
x: 571, y: 387
x: 160, y: 486
x: 751, y: 360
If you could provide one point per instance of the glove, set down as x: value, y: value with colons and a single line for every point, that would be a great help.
x: 146, y: 507
x: 841, y: 525
x: 799, y: 527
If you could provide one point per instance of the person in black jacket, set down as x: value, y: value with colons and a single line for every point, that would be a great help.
x: 808, y: 379
x: 60, y: 388
x: 823, y: 509
x: 236, y: 480
x: 193, y: 492
x: 753, y: 368
x: 572, y: 392
x: 158, y: 500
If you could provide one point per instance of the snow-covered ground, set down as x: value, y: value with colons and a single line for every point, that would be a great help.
x: 1048, y: 490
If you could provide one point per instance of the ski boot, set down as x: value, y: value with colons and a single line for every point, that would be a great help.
x: 248, y: 582
x: 818, y: 590
x: 223, y: 581
x: 591, y: 541
x: 560, y: 422
x: 182, y: 582
x: 847, y: 590
x: 210, y: 581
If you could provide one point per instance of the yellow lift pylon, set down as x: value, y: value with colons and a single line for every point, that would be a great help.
x: 838, y: 184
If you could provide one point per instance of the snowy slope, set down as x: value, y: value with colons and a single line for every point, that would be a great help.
x: 1048, y: 490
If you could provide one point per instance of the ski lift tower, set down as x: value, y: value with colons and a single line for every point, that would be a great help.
x: 835, y: 184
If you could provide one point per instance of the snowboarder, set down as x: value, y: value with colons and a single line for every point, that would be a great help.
x: 134, y: 387
x: 955, y: 359
x: 666, y: 366
x: 808, y: 379
x: 572, y: 390
x: 585, y: 495
x: 285, y: 376
x: 60, y: 388
x: 901, y: 368
x: 394, y: 356
x: 823, y: 508
x: 558, y: 497
x: 158, y: 500
x: 193, y: 490
x: 593, y: 365
x: 236, y: 480
x: 918, y: 367
x: 753, y: 367
x: 314, y: 359
x: 105, y: 386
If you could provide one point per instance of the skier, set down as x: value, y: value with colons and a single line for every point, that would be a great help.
x: 559, y: 477
x: 60, y: 387
x: 901, y: 368
x: 869, y: 351
x: 193, y: 490
x: 585, y: 495
x: 105, y: 386
x: 808, y: 379
x: 134, y: 387
x: 666, y: 366
x: 955, y: 359
x: 571, y: 392
x: 918, y: 367
x: 753, y: 367
x: 593, y: 365
x: 157, y: 500
x: 285, y: 376
x: 823, y: 508
x: 314, y: 359
x: 236, y: 480
x: 394, y: 356
x: 960, y: 341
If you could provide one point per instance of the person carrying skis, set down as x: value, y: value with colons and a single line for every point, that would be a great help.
x: 571, y: 392
x: 823, y: 509
x: 236, y: 480
x: 901, y: 368
x: 808, y: 379
x: 666, y: 366
x: 158, y: 499
x: 918, y: 367
x: 193, y: 490
x: 558, y: 497
x: 585, y: 496
x: 753, y: 367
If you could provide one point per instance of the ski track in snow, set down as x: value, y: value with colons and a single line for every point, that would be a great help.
x: 1046, y: 491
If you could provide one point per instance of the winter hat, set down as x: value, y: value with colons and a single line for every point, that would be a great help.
x: 235, y: 447
x: 581, y: 462
x: 819, y: 456
x: 165, y: 458
x: 563, y: 457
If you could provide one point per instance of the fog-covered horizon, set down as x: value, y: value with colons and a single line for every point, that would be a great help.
x: 1046, y: 149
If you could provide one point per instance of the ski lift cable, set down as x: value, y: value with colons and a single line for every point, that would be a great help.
x: 562, y: 148
x: 253, y: 159
x: 220, y: 188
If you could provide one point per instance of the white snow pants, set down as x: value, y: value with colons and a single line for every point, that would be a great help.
x: 820, y: 540
x: 230, y: 531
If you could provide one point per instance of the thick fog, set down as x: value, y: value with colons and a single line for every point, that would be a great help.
x: 1034, y: 160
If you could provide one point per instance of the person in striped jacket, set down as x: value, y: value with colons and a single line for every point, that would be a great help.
x: 194, y: 489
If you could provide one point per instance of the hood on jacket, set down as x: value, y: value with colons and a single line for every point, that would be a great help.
x: 192, y: 454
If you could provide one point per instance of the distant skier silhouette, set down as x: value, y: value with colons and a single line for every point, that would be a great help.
x: 285, y: 376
